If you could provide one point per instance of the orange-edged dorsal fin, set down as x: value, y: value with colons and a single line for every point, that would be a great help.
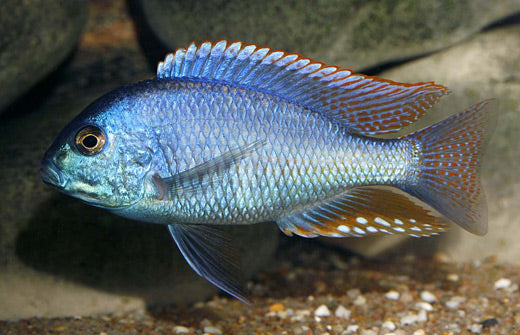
x: 363, y: 104
x: 365, y: 211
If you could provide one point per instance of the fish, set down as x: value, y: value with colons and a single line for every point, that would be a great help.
x: 230, y: 133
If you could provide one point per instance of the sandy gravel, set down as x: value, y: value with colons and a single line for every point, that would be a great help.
x: 315, y: 289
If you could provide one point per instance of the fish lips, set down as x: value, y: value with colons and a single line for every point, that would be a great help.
x: 52, y: 176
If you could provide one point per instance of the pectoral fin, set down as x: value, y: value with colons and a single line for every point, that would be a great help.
x: 209, y: 251
x: 199, y: 176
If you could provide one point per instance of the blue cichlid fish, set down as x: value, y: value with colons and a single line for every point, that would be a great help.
x: 230, y: 134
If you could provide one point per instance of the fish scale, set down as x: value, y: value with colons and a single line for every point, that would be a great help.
x: 233, y: 133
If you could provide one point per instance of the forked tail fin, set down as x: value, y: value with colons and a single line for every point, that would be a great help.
x: 450, y: 166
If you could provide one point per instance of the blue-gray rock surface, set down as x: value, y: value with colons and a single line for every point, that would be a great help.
x: 35, y: 37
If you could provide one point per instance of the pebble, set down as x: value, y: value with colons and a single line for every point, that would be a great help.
x: 352, y: 329
x: 276, y: 307
x: 413, y: 318
x: 360, y: 300
x: 353, y: 293
x: 388, y: 325
x: 342, y: 312
x: 502, y: 283
x: 419, y: 332
x: 322, y: 311
x: 367, y: 332
x: 475, y: 328
x: 409, y: 319
x: 422, y: 316
x: 455, y: 301
x: 392, y: 295
x: 422, y: 305
x: 453, y: 277
x: 180, y: 330
x: 301, y: 315
x: 428, y: 296
x: 212, y: 330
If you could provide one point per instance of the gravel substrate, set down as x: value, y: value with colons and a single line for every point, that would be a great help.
x: 315, y: 289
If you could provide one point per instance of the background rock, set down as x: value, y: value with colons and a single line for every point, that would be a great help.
x: 486, y: 66
x: 356, y: 33
x: 35, y: 37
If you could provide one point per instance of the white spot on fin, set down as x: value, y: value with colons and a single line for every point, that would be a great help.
x: 344, y: 229
x: 371, y: 229
x: 382, y: 222
x: 359, y: 230
x: 361, y: 220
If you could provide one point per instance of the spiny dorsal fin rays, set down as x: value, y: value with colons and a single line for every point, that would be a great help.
x: 365, y: 211
x: 363, y: 104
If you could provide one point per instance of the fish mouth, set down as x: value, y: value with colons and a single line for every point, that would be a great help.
x: 52, y: 176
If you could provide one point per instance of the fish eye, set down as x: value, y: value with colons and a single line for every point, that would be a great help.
x: 90, y: 140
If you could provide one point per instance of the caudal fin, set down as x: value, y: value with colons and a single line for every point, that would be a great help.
x: 449, y: 178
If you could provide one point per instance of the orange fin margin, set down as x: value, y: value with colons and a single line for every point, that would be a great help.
x: 365, y: 211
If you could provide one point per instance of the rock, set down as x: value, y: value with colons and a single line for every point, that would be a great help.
x: 502, y: 283
x: 424, y: 305
x: 322, y: 311
x: 392, y: 295
x: 455, y: 301
x: 356, y: 34
x: 181, y: 330
x: 389, y: 325
x: 342, y: 312
x: 428, y: 296
x: 35, y: 37
x: 480, y: 68
x: 212, y: 330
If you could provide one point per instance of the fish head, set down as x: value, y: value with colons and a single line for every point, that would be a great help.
x: 99, y: 157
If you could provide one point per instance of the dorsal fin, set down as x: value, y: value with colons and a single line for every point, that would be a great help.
x: 365, y: 105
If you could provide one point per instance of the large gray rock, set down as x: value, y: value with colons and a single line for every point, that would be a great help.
x: 35, y: 37
x: 486, y: 66
x: 355, y: 33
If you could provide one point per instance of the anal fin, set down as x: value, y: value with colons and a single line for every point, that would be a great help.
x: 210, y: 253
x: 361, y: 211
